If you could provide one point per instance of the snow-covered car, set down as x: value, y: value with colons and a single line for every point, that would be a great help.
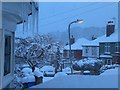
x: 25, y: 66
x: 26, y: 71
x: 86, y: 72
x: 67, y: 70
x: 59, y: 74
x: 48, y: 71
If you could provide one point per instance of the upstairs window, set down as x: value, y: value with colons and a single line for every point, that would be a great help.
x: 86, y: 50
x: 117, y: 47
x: 94, y: 50
x: 107, y: 48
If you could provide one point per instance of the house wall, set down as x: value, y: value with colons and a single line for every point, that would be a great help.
x: 102, y: 48
x: 12, y: 13
x: 118, y: 20
x: 65, y: 54
x: 92, y: 52
x: 1, y: 58
x: 115, y: 55
x: 76, y: 54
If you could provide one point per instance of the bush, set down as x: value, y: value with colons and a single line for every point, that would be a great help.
x: 89, y: 65
x: 76, y: 67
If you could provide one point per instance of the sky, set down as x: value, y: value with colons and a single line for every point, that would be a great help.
x: 56, y: 16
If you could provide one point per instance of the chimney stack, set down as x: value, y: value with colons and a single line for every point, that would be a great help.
x: 72, y: 40
x: 110, y: 28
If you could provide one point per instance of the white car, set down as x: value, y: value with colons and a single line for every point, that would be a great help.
x: 48, y: 70
x: 67, y: 70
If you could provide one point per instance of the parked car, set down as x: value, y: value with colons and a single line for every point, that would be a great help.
x: 67, y: 70
x: 86, y: 72
x: 48, y: 71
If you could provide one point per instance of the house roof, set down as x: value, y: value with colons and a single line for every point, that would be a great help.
x: 77, y: 45
x: 112, y: 38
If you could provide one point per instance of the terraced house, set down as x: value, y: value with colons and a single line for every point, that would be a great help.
x: 110, y: 50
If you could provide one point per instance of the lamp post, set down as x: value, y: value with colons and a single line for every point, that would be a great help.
x: 76, y: 21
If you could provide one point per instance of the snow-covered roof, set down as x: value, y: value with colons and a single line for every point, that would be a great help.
x: 112, y: 38
x: 77, y: 45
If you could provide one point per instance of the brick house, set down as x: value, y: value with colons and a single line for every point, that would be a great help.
x: 106, y: 47
x: 110, y: 46
x: 76, y: 49
x: 110, y: 50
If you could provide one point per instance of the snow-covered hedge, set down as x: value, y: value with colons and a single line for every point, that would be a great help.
x: 90, y: 64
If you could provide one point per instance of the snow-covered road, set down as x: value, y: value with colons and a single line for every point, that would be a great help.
x: 108, y: 79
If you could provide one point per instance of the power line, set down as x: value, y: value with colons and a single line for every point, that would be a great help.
x: 68, y: 11
x: 88, y: 11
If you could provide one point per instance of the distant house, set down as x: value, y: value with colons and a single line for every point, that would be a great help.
x: 110, y: 46
x: 76, y: 49
x: 105, y: 47
x: 110, y: 49
x: 91, y: 51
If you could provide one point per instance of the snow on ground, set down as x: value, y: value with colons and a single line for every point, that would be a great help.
x: 108, y: 79
x: 45, y: 79
x: 111, y: 72
x: 66, y: 70
x: 60, y: 74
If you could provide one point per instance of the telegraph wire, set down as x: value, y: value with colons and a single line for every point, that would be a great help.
x: 68, y: 11
x: 88, y: 11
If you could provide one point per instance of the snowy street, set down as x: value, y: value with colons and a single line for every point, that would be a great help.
x: 108, y: 79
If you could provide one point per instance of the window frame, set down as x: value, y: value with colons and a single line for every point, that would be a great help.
x: 117, y: 47
x: 94, y: 51
x: 11, y: 34
x: 107, y: 48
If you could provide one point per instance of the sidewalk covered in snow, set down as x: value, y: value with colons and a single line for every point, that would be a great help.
x: 109, y: 79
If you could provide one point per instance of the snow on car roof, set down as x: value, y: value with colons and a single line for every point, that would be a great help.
x: 27, y: 70
x: 47, y: 68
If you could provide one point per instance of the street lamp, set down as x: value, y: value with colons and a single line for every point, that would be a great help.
x: 77, y: 21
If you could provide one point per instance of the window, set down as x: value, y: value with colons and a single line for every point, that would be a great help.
x: 117, y: 47
x: 7, y: 55
x: 107, y: 48
x: 94, y: 51
x: 86, y: 50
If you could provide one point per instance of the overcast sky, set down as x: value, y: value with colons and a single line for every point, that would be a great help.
x: 55, y: 16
